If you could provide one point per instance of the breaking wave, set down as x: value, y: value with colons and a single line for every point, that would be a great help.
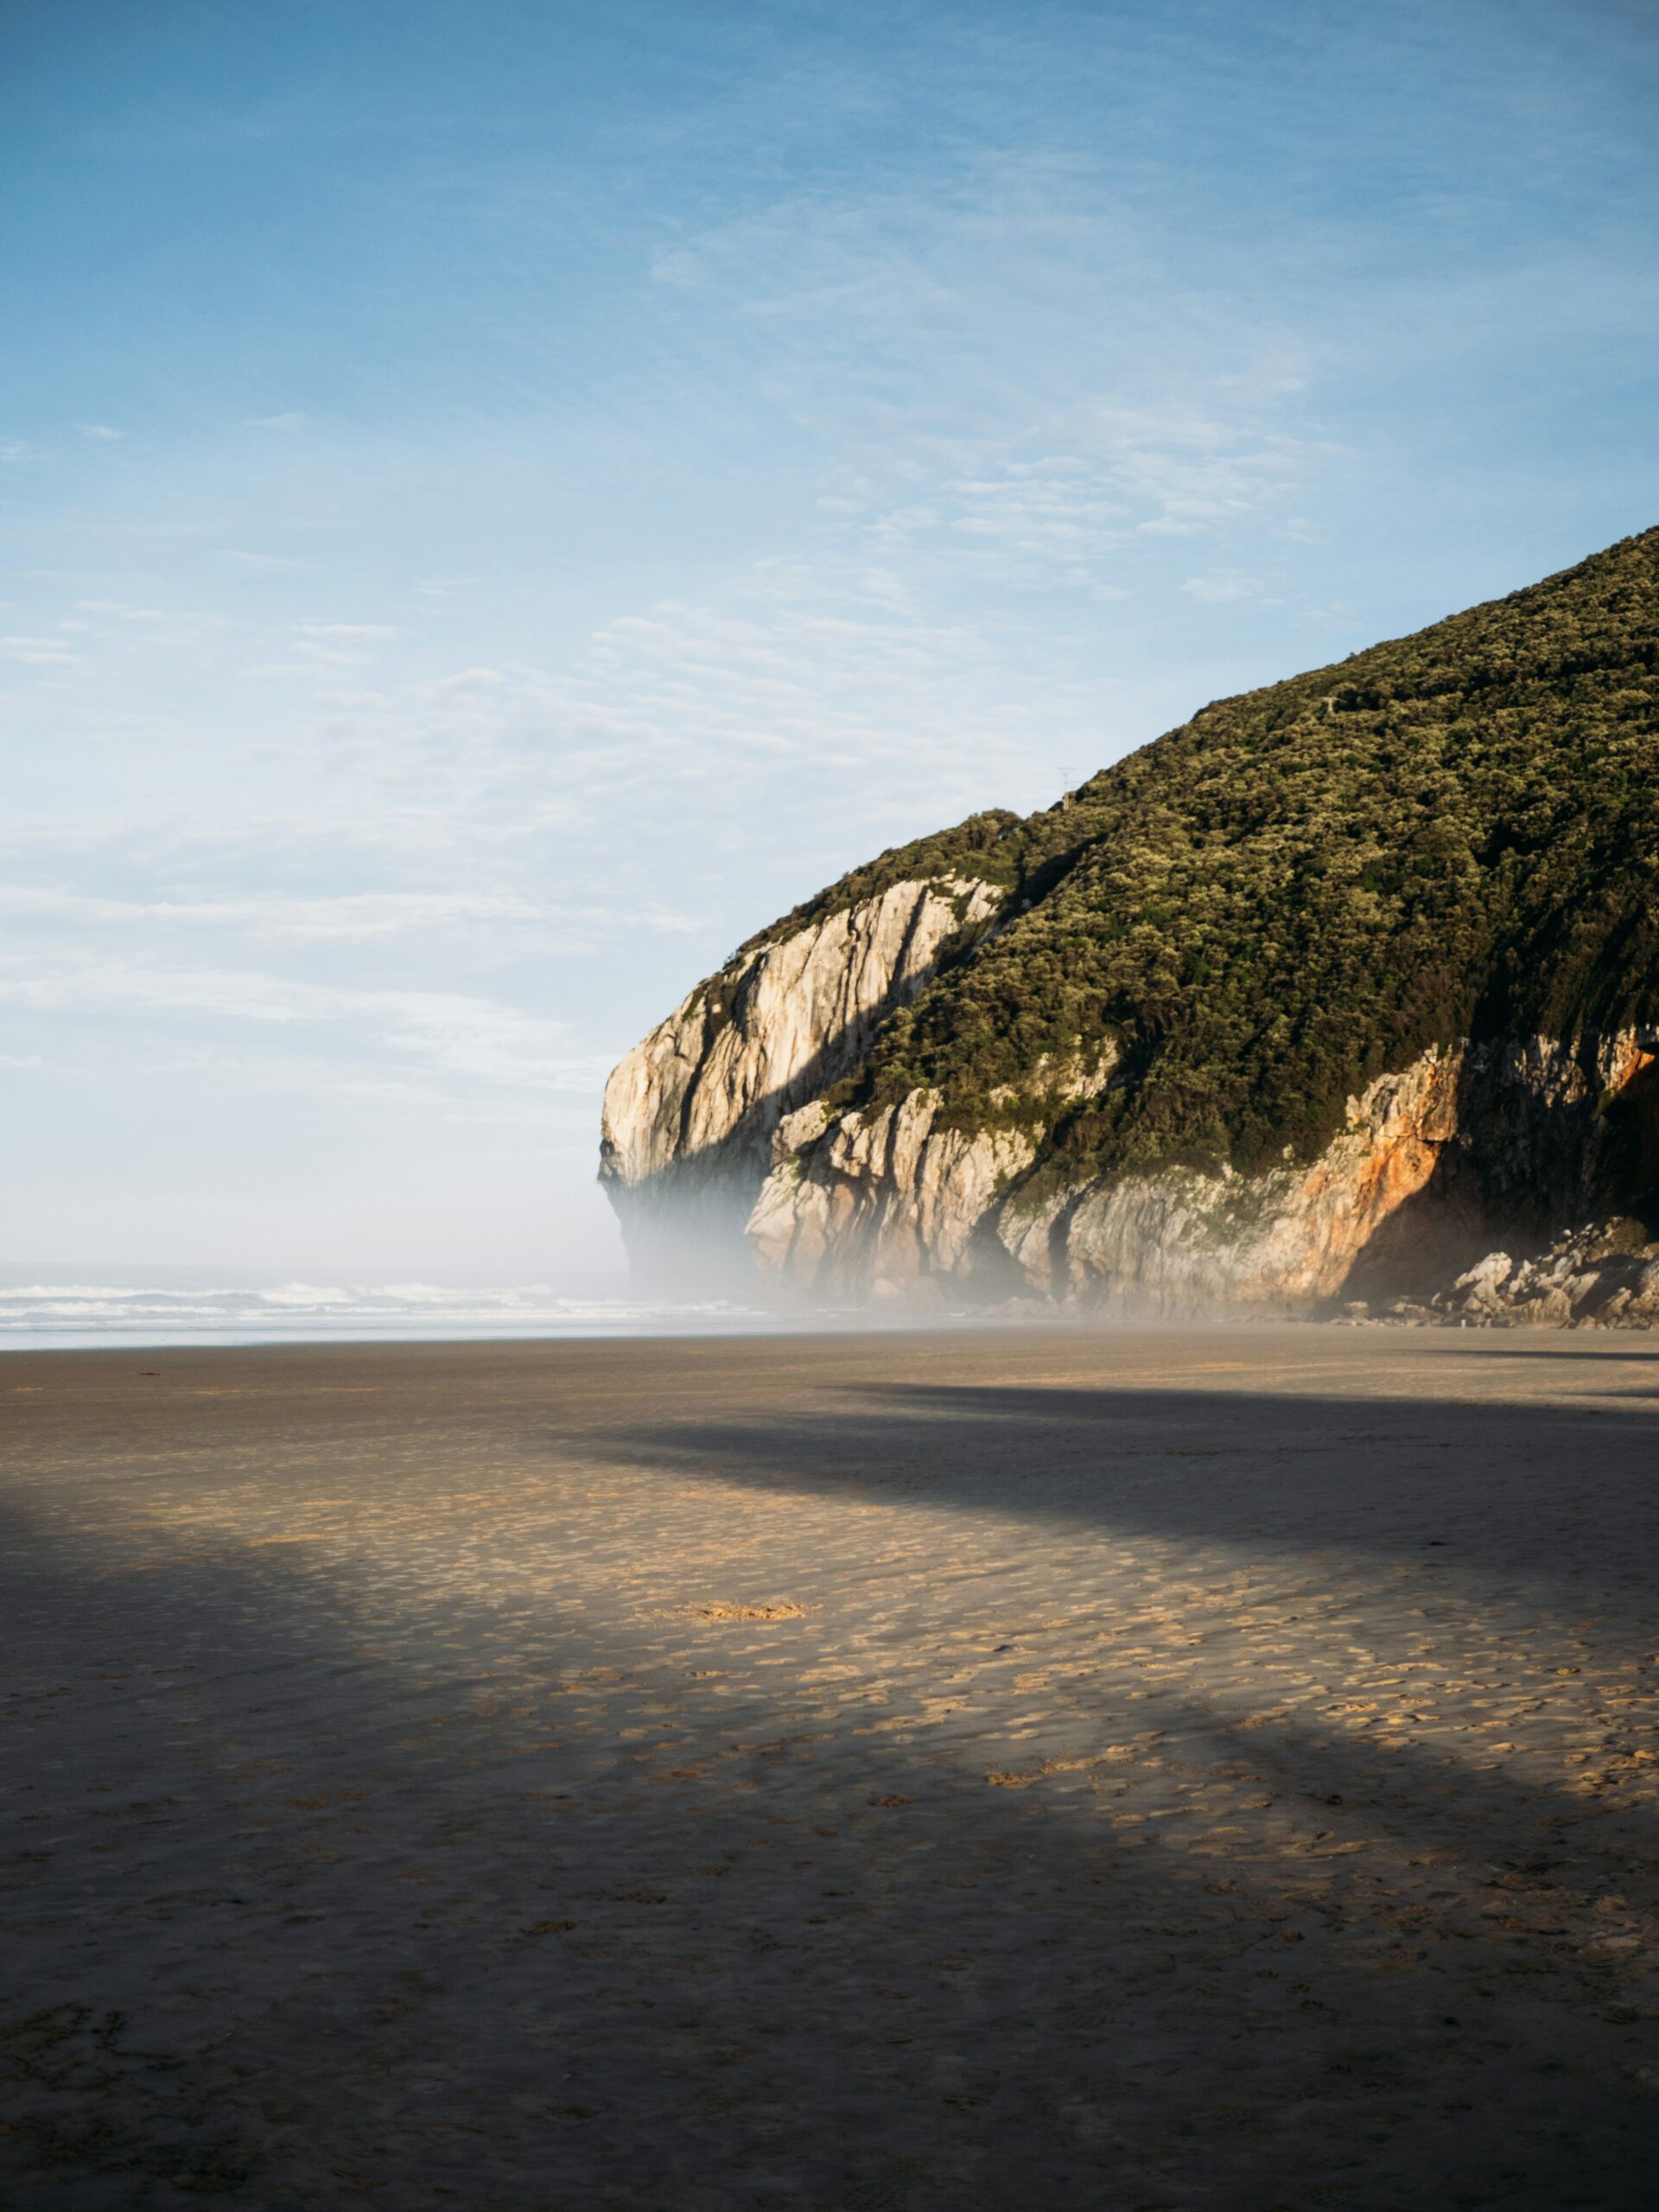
x: 59, y: 1316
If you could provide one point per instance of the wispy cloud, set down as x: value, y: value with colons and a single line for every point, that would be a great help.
x: 1025, y: 275
x: 468, y: 1036
x: 446, y: 586
x: 352, y: 914
x: 121, y: 612
x: 1222, y: 585
x: 1071, y: 514
x: 362, y: 632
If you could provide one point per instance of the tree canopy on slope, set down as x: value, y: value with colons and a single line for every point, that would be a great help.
x: 1452, y: 834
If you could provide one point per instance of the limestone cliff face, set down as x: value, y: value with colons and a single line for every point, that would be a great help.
x: 691, y: 1114
x: 717, y: 1132
x: 884, y: 1205
x: 1434, y: 1161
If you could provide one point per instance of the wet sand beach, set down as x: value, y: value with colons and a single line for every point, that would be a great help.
x: 950, y: 1772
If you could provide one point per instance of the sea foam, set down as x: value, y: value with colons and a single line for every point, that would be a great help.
x: 61, y: 1316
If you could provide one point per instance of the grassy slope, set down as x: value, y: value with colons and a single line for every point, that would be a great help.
x: 1453, y: 833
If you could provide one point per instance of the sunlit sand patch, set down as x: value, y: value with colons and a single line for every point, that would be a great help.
x: 1041, y: 1772
x: 722, y: 1610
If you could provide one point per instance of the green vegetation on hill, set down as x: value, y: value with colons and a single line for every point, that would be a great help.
x: 1452, y: 834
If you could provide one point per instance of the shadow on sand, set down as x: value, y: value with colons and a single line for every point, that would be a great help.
x: 334, y: 1885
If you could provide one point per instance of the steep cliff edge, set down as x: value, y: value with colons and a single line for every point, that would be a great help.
x: 691, y: 1114
x: 1317, y: 999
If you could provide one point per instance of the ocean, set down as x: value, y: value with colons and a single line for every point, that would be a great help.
x: 62, y: 1310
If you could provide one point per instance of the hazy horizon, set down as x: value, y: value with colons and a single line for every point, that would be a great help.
x: 501, y: 504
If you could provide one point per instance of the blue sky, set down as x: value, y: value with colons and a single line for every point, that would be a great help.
x: 498, y: 501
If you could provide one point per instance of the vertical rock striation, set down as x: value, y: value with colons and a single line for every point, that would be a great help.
x: 691, y: 1114
x: 1434, y: 1161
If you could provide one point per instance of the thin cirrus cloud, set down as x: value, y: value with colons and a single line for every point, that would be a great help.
x: 466, y: 1035
x: 119, y: 611
x: 368, y: 633
x: 353, y: 914
x: 1225, y: 584
x: 1155, y: 472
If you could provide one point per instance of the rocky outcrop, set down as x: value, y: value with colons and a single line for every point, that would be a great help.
x: 1398, y: 1215
x: 884, y: 1206
x: 1185, y: 1242
x: 691, y: 1114
x: 1511, y: 1139
x: 1433, y: 1160
x: 1603, y: 1276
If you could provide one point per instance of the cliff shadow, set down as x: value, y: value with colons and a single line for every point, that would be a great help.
x: 1522, y: 1170
x: 1498, y: 1489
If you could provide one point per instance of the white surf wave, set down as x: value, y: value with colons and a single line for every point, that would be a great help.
x: 59, y: 1316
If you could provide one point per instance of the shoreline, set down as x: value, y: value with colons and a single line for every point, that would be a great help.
x: 853, y: 1323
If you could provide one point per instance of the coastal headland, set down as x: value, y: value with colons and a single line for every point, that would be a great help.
x: 979, y: 1768
x: 1341, y: 997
